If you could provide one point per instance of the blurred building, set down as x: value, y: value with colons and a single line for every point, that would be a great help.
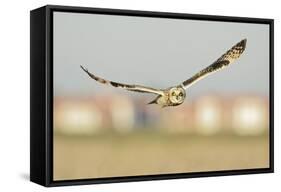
x: 179, y: 119
x: 250, y: 115
x: 207, y: 115
x: 74, y: 116
x: 122, y: 114
x: 93, y: 114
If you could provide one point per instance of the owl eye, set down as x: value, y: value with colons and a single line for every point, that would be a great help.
x: 173, y: 93
x: 181, y: 94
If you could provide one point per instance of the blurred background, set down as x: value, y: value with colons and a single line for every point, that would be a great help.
x: 101, y: 131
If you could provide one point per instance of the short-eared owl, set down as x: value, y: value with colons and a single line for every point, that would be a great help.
x: 174, y: 96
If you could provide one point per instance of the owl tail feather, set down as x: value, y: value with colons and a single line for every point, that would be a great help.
x: 152, y: 102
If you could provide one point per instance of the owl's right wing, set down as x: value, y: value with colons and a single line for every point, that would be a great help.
x: 137, y: 88
x: 230, y: 56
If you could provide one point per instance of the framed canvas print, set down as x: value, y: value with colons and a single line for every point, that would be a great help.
x: 121, y: 95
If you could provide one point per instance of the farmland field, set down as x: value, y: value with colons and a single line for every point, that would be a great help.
x: 146, y: 153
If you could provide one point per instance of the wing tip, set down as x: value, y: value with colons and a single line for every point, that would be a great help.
x: 90, y: 74
x: 243, y: 43
x: 83, y: 68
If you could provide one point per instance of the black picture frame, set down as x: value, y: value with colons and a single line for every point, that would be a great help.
x: 41, y: 94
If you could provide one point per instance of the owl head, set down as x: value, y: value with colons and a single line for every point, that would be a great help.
x: 177, y: 95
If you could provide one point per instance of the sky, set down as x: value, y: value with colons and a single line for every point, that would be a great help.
x: 156, y: 52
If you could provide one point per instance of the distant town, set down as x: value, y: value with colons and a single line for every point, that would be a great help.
x: 207, y: 115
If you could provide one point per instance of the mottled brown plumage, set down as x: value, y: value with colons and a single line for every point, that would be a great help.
x: 176, y: 95
x: 229, y: 57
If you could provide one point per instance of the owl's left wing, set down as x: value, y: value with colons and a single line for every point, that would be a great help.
x: 137, y: 88
x: 230, y: 56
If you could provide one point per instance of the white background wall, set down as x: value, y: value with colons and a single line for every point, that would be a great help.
x: 14, y: 102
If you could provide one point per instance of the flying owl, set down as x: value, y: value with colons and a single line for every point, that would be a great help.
x: 176, y: 95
